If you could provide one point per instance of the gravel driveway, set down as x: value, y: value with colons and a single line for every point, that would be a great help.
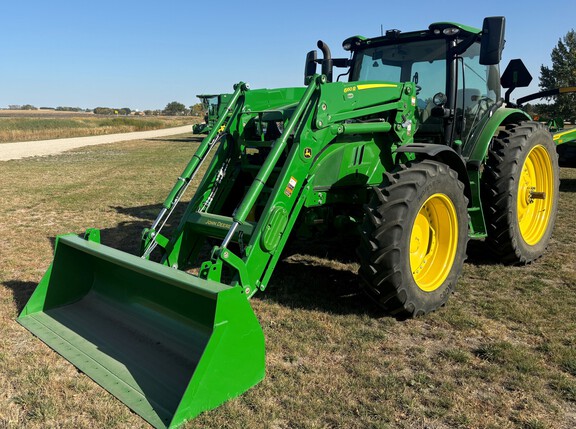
x: 51, y: 147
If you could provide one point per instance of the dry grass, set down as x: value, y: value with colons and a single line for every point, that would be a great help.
x: 501, y: 354
x: 33, y: 126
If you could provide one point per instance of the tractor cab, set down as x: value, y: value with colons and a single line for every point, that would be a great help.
x: 455, y: 69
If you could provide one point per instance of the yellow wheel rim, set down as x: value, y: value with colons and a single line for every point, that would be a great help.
x: 535, y: 195
x: 433, y: 242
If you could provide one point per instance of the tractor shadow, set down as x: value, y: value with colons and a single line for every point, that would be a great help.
x: 478, y: 253
x: 321, y: 276
x: 21, y: 292
x: 178, y: 139
x: 567, y: 185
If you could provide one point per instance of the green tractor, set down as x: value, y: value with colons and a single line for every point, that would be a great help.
x: 214, y: 105
x: 411, y: 146
x: 564, y: 137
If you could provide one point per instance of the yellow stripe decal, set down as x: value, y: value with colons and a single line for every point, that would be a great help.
x: 557, y: 135
x: 568, y: 89
x: 376, y: 85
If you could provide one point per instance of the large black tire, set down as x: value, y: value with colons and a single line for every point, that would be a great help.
x: 520, y: 187
x: 414, y: 238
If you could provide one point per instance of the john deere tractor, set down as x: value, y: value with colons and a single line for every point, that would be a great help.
x: 410, y: 144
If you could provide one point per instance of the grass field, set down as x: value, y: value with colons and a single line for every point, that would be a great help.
x: 30, y: 125
x: 501, y: 354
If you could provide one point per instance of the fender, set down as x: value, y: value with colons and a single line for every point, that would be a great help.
x: 444, y: 154
x: 475, y: 149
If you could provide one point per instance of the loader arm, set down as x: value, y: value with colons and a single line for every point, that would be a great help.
x: 250, y: 214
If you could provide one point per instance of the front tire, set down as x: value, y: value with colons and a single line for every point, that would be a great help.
x: 520, y: 187
x: 414, y: 238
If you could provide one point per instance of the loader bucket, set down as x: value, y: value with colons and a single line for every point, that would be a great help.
x: 168, y: 344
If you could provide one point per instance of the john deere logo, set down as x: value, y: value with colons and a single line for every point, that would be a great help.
x: 308, y: 153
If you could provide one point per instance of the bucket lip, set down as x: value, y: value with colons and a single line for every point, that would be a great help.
x: 131, y: 262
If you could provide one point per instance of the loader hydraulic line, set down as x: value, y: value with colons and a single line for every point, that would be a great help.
x: 194, y: 163
x: 183, y: 181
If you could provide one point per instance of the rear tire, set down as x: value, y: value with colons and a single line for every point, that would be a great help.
x: 520, y: 187
x: 414, y: 238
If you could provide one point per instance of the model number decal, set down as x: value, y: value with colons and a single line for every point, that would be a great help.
x: 369, y: 86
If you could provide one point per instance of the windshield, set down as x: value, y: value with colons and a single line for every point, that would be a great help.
x: 424, y: 63
x: 421, y: 62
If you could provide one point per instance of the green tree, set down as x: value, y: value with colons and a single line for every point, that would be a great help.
x: 197, y: 109
x: 103, y: 111
x: 562, y: 74
x: 174, y: 109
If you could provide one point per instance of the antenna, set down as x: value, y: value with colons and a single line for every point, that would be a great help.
x: 381, y: 30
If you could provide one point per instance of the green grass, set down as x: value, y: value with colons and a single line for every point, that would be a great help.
x: 29, y: 128
x: 500, y: 354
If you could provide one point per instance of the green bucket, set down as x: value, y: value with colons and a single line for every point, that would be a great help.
x: 168, y: 344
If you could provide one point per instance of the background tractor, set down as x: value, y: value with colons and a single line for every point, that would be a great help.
x: 214, y: 105
x: 564, y: 137
x: 414, y: 149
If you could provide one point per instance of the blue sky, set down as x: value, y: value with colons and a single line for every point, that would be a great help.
x: 145, y: 54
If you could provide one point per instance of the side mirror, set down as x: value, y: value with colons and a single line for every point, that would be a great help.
x: 310, y: 65
x: 515, y: 76
x: 492, y: 40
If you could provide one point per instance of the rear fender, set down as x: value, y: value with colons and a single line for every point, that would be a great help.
x: 443, y: 154
x: 476, y: 148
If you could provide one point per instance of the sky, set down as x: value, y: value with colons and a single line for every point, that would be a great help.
x: 145, y: 54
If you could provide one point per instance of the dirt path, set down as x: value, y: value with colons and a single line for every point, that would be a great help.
x: 51, y: 147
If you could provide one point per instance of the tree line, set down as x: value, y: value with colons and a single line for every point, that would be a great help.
x: 173, y: 108
x: 561, y: 74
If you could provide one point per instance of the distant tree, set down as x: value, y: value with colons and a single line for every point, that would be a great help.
x: 562, y: 74
x: 124, y: 111
x: 103, y: 111
x: 69, y: 109
x: 28, y: 107
x: 175, y: 109
x: 197, y: 109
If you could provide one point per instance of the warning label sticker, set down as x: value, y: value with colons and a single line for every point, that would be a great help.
x: 290, y: 188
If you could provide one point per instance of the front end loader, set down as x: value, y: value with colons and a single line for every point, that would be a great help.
x: 415, y: 150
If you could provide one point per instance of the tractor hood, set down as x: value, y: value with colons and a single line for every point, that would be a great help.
x: 333, y: 99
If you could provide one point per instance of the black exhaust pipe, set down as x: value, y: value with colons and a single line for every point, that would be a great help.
x: 326, y: 61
